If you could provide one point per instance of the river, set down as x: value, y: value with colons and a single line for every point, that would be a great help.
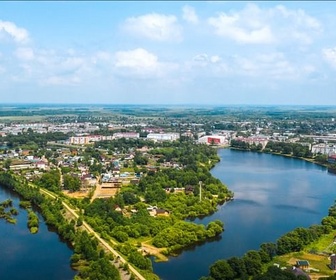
x: 273, y: 195
x: 31, y: 256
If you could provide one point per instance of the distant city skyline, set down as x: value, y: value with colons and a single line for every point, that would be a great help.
x: 169, y: 52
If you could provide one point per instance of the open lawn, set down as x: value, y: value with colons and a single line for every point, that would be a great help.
x: 324, y: 244
x: 22, y: 118
x: 317, y: 260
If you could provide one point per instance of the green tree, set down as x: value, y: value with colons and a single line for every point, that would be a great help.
x: 101, y: 269
x: 140, y: 261
x: 238, y: 267
x: 7, y: 163
x: 221, y: 270
x: 71, y: 183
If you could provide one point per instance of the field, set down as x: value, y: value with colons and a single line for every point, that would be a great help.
x: 319, y: 262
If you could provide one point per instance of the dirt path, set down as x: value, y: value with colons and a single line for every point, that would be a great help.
x: 151, y: 250
x: 118, y: 257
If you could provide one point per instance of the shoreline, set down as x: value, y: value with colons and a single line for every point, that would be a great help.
x: 311, y: 160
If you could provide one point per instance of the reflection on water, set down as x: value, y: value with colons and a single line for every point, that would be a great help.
x: 297, y: 208
x: 273, y: 195
x: 249, y: 202
x: 31, y: 256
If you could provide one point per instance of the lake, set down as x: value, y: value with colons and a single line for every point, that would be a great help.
x: 273, y: 195
x: 31, y: 256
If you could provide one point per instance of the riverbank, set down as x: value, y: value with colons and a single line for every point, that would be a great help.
x: 268, y: 190
x: 27, y: 256
x: 311, y: 160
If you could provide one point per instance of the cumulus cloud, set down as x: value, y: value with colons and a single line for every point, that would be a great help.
x: 243, y: 28
x: 189, y: 14
x: 140, y: 63
x: 8, y: 28
x: 330, y: 56
x: 154, y: 26
x: 253, y: 25
x: 136, y: 59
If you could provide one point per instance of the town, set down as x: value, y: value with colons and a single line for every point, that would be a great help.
x: 137, y: 173
x: 76, y: 134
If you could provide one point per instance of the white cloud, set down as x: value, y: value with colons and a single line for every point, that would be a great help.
x: 272, y: 65
x: 296, y: 24
x: 299, y: 17
x: 204, y: 66
x: 246, y: 26
x: 189, y: 14
x: 24, y: 53
x: 7, y: 28
x: 215, y: 59
x: 101, y: 56
x: 154, y: 26
x: 139, y: 63
x: 50, y: 67
x: 330, y: 56
x: 137, y: 59
x: 204, y: 59
x: 253, y: 25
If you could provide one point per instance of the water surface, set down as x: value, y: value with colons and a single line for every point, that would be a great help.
x: 31, y: 256
x: 273, y: 195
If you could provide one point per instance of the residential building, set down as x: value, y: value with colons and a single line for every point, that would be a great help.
x: 163, y: 136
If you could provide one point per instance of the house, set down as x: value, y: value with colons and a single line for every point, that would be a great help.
x: 161, y: 212
x: 299, y: 272
x: 302, y: 264
x: 152, y: 169
x: 117, y: 208
x: 40, y: 165
x: 333, y: 262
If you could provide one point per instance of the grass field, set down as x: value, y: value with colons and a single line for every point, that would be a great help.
x: 23, y: 118
x: 316, y: 261
x: 323, y: 244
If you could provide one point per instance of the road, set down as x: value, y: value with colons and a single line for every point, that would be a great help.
x: 101, y: 241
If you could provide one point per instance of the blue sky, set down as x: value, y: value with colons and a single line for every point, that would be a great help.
x: 169, y: 52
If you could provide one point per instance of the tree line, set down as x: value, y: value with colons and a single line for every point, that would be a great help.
x: 250, y: 265
x: 88, y: 258
x: 293, y: 149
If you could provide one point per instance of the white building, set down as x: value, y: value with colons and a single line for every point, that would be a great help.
x: 83, y: 140
x: 324, y: 149
x: 128, y: 135
x: 163, y: 136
